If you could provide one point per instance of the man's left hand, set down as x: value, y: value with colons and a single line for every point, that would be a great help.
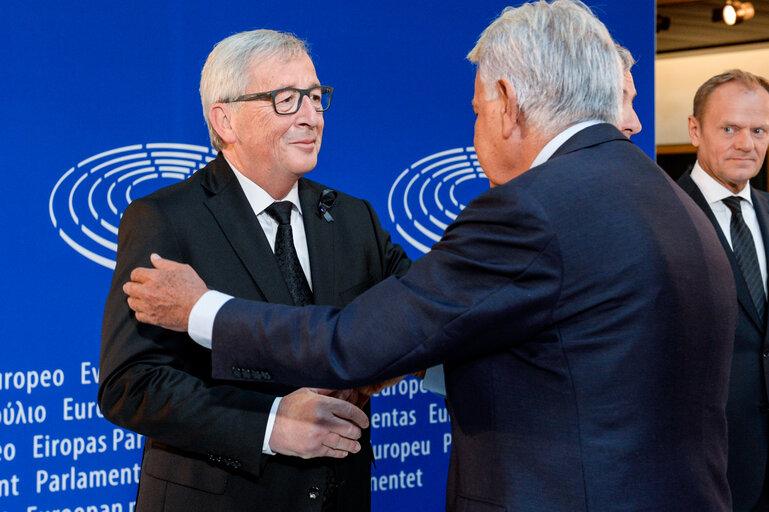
x: 164, y: 295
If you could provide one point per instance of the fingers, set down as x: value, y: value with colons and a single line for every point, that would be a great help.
x: 164, y: 264
x: 347, y: 411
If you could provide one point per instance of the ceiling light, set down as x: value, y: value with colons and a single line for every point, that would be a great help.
x: 736, y: 11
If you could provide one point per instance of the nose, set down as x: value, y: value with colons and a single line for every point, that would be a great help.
x: 743, y: 141
x: 631, y: 124
x: 307, y: 115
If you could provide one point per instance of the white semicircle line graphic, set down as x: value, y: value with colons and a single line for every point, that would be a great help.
x: 143, y: 170
x: 127, y: 166
x: 409, y: 239
x: 101, y: 260
x: 176, y: 161
x: 437, y: 199
x: 406, y: 195
x: 81, y: 191
x: 116, y: 160
x: 71, y: 196
x: 443, y: 162
x: 390, y: 196
x: 177, y: 175
x: 98, y: 239
x: 145, y: 178
x: 90, y: 199
x: 175, y: 154
x: 429, y: 234
x: 109, y: 198
x: 109, y: 227
x: 436, y: 155
x: 53, y: 193
x: 438, y: 223
x: 463, y: 165
x: 458, y: 173
x: 110, y: 152
x: 421, y: 196
x: 174, y: 145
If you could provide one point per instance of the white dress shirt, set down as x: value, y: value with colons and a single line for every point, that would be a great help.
x: 714, y: 193
x: 201, y: 322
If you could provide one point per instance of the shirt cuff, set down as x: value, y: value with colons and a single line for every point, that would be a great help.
x: 270, y: 425
x: 200, y: 325
x: 435, y: 380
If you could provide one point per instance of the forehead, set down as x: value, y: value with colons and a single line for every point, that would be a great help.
x: 279, y: 71
x: 734, y: 99
x: 628, y: 85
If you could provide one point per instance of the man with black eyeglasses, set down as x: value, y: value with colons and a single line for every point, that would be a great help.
x: 253, y: 227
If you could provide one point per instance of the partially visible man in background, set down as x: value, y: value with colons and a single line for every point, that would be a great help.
x: 730, y: 128
x: 254, y: 227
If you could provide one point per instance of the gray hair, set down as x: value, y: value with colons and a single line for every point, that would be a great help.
x: 627, y: 58
x: 560, y: 60
x: 225, y: 73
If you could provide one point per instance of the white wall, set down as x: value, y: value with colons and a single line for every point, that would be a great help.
x: 679, y: 74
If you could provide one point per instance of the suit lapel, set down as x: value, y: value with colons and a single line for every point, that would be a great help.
x: 233, y: 213
x: 320, y: 244
x: 743, y: 294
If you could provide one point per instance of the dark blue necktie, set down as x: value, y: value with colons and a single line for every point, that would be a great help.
x: 285, y: 254
x: 745, y: 253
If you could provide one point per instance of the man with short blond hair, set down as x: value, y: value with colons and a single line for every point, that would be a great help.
x: 729, y: 126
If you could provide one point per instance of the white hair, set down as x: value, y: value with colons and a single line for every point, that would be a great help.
x: 225, y: 73
x: 628, y: 61
x: 560, y: 59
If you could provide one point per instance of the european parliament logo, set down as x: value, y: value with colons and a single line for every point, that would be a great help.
x: 88, y: 200
x: 431, y: 192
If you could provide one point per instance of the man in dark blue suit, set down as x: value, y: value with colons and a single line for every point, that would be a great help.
x: 730, y: 128
x: 582, y: 307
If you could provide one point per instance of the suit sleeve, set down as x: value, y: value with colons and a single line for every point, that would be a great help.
x: 492, y: 281
x: 157, y: 382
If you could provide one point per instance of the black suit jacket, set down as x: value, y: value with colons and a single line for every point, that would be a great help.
x: 204, y: 436
x: 746, y: 411
x: 584, y: 311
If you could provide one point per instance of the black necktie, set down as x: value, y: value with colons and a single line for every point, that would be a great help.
x: 745, y: 253
x: 285, y: 253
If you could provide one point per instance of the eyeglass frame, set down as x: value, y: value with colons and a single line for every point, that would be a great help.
x: 271, y: 95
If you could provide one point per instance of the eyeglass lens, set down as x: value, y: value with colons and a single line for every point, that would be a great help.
x: 288, y: 101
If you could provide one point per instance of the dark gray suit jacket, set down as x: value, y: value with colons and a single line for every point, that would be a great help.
x: 204, y: 436
x: 585, y: 312
x: 746, y: 410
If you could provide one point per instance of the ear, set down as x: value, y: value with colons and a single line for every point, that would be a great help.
x: 695, y: 131
x: 510, y: 110
x: 219, y: 115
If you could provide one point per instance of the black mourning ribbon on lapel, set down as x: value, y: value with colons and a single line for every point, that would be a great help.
x: 326, y: 201
x: 744, y: 250
x: 285, y: 254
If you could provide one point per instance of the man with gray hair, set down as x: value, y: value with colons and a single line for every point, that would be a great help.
x: 216, y: 446
x: 582, y: 307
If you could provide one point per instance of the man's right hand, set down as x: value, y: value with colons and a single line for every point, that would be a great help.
x: 311, y: 424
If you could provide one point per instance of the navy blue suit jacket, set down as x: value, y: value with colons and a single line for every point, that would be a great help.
x: 585, y: 312
x: 746, y: 411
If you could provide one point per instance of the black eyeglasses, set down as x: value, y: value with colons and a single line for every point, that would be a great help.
x: 288, y: 100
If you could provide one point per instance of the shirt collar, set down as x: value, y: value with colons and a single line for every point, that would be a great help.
x: 557, y: 141
x: 712, y: 190
x: 258, y: 198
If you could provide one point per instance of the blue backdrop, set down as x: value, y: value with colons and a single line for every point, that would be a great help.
x: 88, y: 78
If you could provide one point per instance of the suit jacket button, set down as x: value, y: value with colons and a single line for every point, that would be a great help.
x: 313, y: 493
x: 766, y: 353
